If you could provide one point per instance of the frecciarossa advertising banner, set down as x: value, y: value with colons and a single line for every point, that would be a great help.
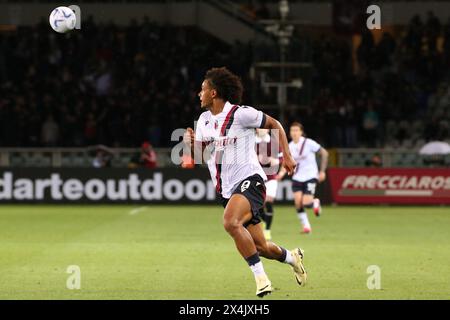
x: 390, y: 186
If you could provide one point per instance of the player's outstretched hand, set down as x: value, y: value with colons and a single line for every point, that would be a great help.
x: 189, y: 136
x: 289, y: 164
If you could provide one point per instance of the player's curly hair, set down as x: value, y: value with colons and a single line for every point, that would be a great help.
x: 227, y: 84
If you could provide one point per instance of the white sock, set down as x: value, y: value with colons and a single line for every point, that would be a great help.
x: 303, y: 217
x: 289, y: 259
x: 316, y: 203
x: 257, y: 269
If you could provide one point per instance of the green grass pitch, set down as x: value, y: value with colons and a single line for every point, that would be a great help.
x: 182, y: 252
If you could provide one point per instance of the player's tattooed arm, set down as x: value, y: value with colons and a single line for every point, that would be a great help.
x: 323, y: 164
x: 288, y: 162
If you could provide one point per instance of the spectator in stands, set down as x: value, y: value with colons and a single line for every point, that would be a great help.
x: 50, y: 132
x: 102, y: 159
x: 370, y: 124
x: 134, y: 162
x: 90, y: 129
x: 375, y: 161
x: 385, y: 50
x: 414, y: 35
x: 350, y: 124
x: 431, y: 131
x: 366, y: 49
x: 148, y: 156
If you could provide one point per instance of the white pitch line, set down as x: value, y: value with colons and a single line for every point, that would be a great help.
x: 137, y: 210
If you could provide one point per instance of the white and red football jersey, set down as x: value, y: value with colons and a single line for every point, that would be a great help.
x: 230, y: 138
x: 304, y: 153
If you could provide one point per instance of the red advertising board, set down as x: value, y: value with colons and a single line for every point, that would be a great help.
x: 391, y: 186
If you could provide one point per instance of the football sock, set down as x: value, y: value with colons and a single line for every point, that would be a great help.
x: 286, y: 256
x: 316, y: 202
x: 268, y: 215
x: 303, y: 217
x: 255, y: 265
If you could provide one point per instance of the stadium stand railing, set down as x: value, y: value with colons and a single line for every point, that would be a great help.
x: 72, y: 157
x: 122, y: 157
x: 389, y: 158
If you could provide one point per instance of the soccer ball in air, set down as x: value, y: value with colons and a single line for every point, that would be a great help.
x: 62, y: 19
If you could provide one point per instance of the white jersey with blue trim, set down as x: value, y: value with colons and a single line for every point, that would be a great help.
x: 230, y: 140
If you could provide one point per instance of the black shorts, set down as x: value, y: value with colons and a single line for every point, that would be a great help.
x: 307, y: 187
x: 254, y: 189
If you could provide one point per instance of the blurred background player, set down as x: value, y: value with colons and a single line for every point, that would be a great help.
x: 270, y: 158
x: 307, y: 174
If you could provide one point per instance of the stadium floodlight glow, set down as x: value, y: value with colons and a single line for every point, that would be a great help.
x: 281, y: 29
x: 284, y: 9
x: 274, y: 29
x: 297, y: 83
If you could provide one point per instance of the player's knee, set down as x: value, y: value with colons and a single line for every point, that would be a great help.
x: 230, y: 225
x: 308, y: 203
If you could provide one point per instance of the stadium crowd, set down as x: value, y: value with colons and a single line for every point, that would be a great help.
x: 400, y: 95
x: 104, y: 84
x: 120, y: 86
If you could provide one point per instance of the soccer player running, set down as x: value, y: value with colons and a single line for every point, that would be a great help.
x: 307, y: 174
x: 225, y: 138
x: 270, y: 157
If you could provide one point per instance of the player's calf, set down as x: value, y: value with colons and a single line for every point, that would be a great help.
x: 270, y: 250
